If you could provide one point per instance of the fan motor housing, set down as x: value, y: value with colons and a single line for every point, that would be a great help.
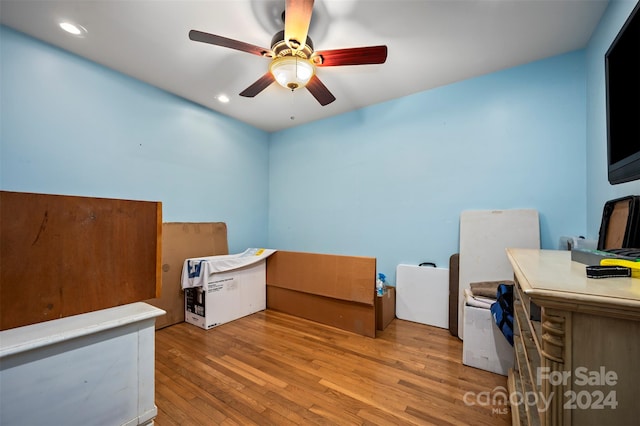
x: 280, y: 48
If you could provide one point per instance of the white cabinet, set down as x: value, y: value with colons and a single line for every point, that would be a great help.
x: 91, y: 369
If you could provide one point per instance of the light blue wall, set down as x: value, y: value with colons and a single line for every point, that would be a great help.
x: 599, y: 190
x: 391, y: 180
x: 388, y: 181
x: 70, y: 126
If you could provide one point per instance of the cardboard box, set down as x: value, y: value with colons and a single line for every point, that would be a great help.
x: 227, y: 296
x: 484, y: 346
x: 385, y: 308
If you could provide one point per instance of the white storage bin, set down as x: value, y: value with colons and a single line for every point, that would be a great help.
x: 484, y: 346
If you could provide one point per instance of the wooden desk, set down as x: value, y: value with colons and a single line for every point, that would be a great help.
x: 577, y: 342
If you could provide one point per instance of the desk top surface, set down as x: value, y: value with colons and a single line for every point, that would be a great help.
x: 551, y: 275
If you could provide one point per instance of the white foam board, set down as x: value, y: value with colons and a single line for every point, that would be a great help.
x: 484, y: 237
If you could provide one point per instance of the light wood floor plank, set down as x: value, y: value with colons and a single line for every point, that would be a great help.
x: 270, y: 368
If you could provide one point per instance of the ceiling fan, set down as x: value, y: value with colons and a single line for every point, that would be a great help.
x: 293, y: 62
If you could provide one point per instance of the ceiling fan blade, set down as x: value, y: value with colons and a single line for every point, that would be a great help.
x: 297, y: 17
x: 320, y: 91
x: 352, y: 56
x: 217, y: 40
x: 257, y: 87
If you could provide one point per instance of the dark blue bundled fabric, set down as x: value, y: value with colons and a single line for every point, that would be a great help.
x: 502, y: 311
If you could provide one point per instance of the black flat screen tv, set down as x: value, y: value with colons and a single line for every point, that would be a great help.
x: 622, y: 76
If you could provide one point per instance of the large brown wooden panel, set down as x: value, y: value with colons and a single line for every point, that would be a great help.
x: 66, y: 255
x: 350, y: 316
x: 331, y: 289
x: 180, y: 241
x: 349, y: 278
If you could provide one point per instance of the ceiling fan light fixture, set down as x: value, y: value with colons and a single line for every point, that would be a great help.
x: 292, y: 72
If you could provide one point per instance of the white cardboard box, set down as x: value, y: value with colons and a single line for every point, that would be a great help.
x: 484, y: 346
x: 227, y: 296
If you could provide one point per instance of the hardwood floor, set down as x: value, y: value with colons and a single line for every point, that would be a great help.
x: 272, y: 368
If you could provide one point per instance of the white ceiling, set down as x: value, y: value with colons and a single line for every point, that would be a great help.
x: 431, y: 43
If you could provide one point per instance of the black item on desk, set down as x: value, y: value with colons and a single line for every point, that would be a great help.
x: 608, y: 271
x: 620, y: 227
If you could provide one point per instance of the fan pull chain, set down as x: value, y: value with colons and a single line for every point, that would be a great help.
x: 292, y: 116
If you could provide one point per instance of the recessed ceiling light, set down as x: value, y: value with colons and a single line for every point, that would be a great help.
x: 74, y: 29
x: 223, y: 98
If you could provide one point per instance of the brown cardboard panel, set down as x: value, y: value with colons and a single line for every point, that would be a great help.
x: 180, y: 241
x: 385, y: 308
x: 67, y: 255
x: 350, y: 316
x: 348, y: 278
